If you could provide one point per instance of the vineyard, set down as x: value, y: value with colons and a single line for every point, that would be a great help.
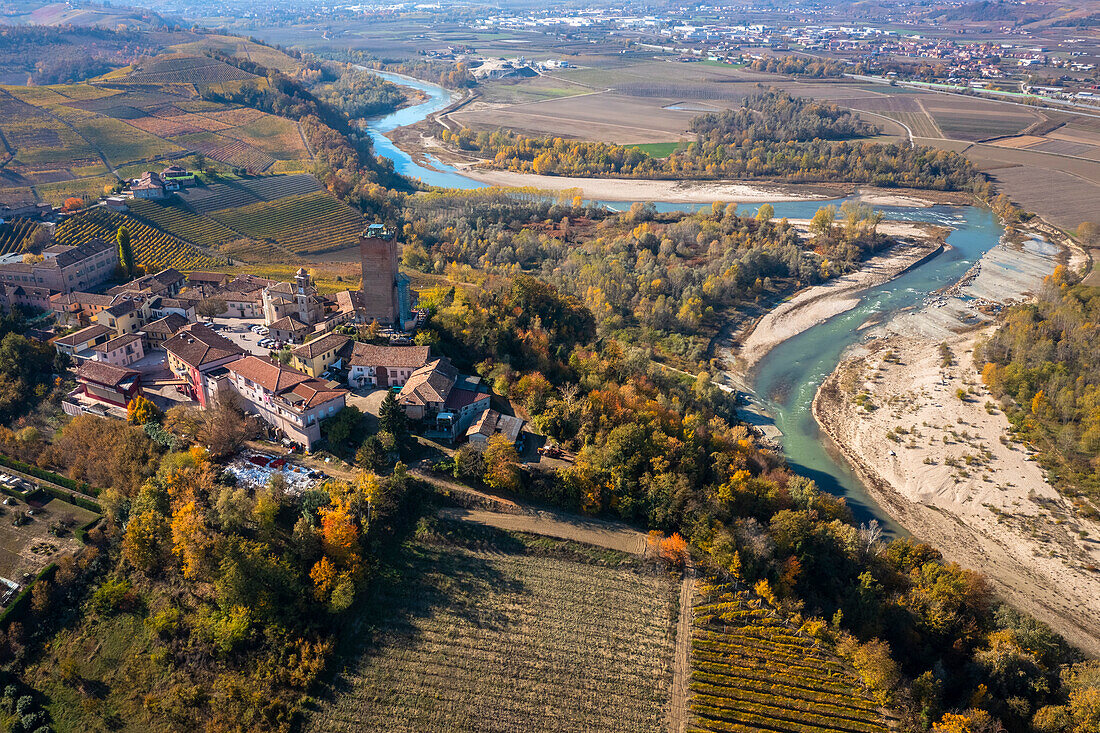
x: 153, y: 249
x: 180, y: 222
x: 184, y: 69
x: 206, y: 199
x: 309, y: 223
x: 14, y: 232
x: 475, y: 632
x: 752, y: 672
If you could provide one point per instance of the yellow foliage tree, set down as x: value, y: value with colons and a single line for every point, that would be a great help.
x: 141, y: 410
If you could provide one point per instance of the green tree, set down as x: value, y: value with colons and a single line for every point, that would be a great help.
x: 391, y: 418
x: 125, y: 251
x: 342, y: 426
x: 765, y: 213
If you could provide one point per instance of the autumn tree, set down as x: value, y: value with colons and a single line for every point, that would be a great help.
x: 141, y: 410
x: 125, y: 251
x: 190, y: 539
x: 502, y: 470
x: 210, y: 307
x: 674, y: 550
x: 225, y: 426
x: 73, y: 204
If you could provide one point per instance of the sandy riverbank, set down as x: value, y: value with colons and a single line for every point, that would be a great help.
x: 952, y: 477
x: 631, y: 189
x: 819, y: 303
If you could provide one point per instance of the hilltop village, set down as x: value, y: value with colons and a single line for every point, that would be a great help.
x: 285, y: 353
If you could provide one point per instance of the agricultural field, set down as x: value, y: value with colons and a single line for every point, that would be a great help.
x: 207, y: 199
x: 62, y: 135
x: 181, y: 68
x: 308, y: 223
x: 481, y: 630
x: 754, y: 671
x: 28, y: 548
x: 14, y: 232
x: 153, y: 249
x: 173, y: 218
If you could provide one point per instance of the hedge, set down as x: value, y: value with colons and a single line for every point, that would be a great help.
x: 18, y: 606
x: 45, y: 475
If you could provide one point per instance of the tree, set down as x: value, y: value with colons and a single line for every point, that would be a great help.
x: 145, y: 540
x: 199, y: 161
x: 210, y: 307
x: 765, y: 213
x: 674, y: 550
x: 190, y: 539
x: 822, y: 223
x: 371, y: 455
x: 125, y: 251
x: 342, y: 426
x: 225, y: 426
x: 73, y: 204
x: 391, y: 418
x: 501, y: 464
x: 141, y: 410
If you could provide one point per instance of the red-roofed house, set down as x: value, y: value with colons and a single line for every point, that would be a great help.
x: 194, y: 352
x: 286, y: 399
x: 108, y: 383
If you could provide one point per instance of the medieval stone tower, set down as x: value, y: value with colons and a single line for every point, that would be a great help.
x: 378, y: 251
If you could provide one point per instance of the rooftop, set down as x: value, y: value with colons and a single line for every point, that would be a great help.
x: 198, y: 344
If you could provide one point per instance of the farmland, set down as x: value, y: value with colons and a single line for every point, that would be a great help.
x: 30, y: 547
x: 14, y: 232
x: 754, y: 671
x: 178, y: 221
x: 479, y: 630
x: 62, y: 135
x: 207, y: 199
x: 308, y: 223
x: 153, y: 249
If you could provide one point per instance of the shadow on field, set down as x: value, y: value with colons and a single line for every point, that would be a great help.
x: 442, y: 567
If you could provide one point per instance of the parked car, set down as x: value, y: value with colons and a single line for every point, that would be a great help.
x: 263, y: 331
x: 256, y: 328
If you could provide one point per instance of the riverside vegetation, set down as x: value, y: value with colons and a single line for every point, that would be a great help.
x: 774, y: 136
x: 202, y: 605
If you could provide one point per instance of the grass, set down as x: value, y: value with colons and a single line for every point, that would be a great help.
x: 122, y: 143
x: 753, y: 671
x: 658, y: 150
x: 480, y: 630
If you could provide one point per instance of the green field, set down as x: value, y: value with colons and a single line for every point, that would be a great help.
x: 754, y: 670
x: 482, y: 631
x: 122, y: 143
x: 658, y: 150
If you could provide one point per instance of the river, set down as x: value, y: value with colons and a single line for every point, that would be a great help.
x: 788, y: 377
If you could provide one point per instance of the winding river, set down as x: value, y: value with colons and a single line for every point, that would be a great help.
x: 788, y: 377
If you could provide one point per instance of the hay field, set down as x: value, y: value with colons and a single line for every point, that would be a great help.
x: 479, y: 630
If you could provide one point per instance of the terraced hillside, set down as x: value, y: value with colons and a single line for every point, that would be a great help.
x: 14, y: 233
x: 306, y: 224
x: 153, y: 249
x: 175, y: 219
x: 480, y: 630
x: 207, y: 199
x: 753, y: 672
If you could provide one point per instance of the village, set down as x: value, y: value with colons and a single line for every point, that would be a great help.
x: 286, y: 354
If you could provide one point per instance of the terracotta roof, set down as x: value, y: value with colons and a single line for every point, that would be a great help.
x: 208, y: 277
x: 116, y: 343
x: 198, y: 344
x: 316, y: 347
x: 121, y: 308
x: 411, y: 357
x: 103, y: 373
x: 314, y: 392
x: 84, y: 335
x: 238, y: 297
x: 350, y: 300
x: 93, y: 299
x: 458, y: 398
x: 270, y: 375
x: 170, y: 324
x: 491, y: 422
x: 289, y: 323
x: 430, y: 383
x: 149, y: 179
x: 248, y: 283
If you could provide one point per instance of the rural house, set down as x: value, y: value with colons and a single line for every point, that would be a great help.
x: 196, y: 351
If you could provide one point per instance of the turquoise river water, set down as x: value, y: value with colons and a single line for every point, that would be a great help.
x: 787, y: 378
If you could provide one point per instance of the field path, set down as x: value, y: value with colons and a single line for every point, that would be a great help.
x: 564, y: 526
x: 681, y: 663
